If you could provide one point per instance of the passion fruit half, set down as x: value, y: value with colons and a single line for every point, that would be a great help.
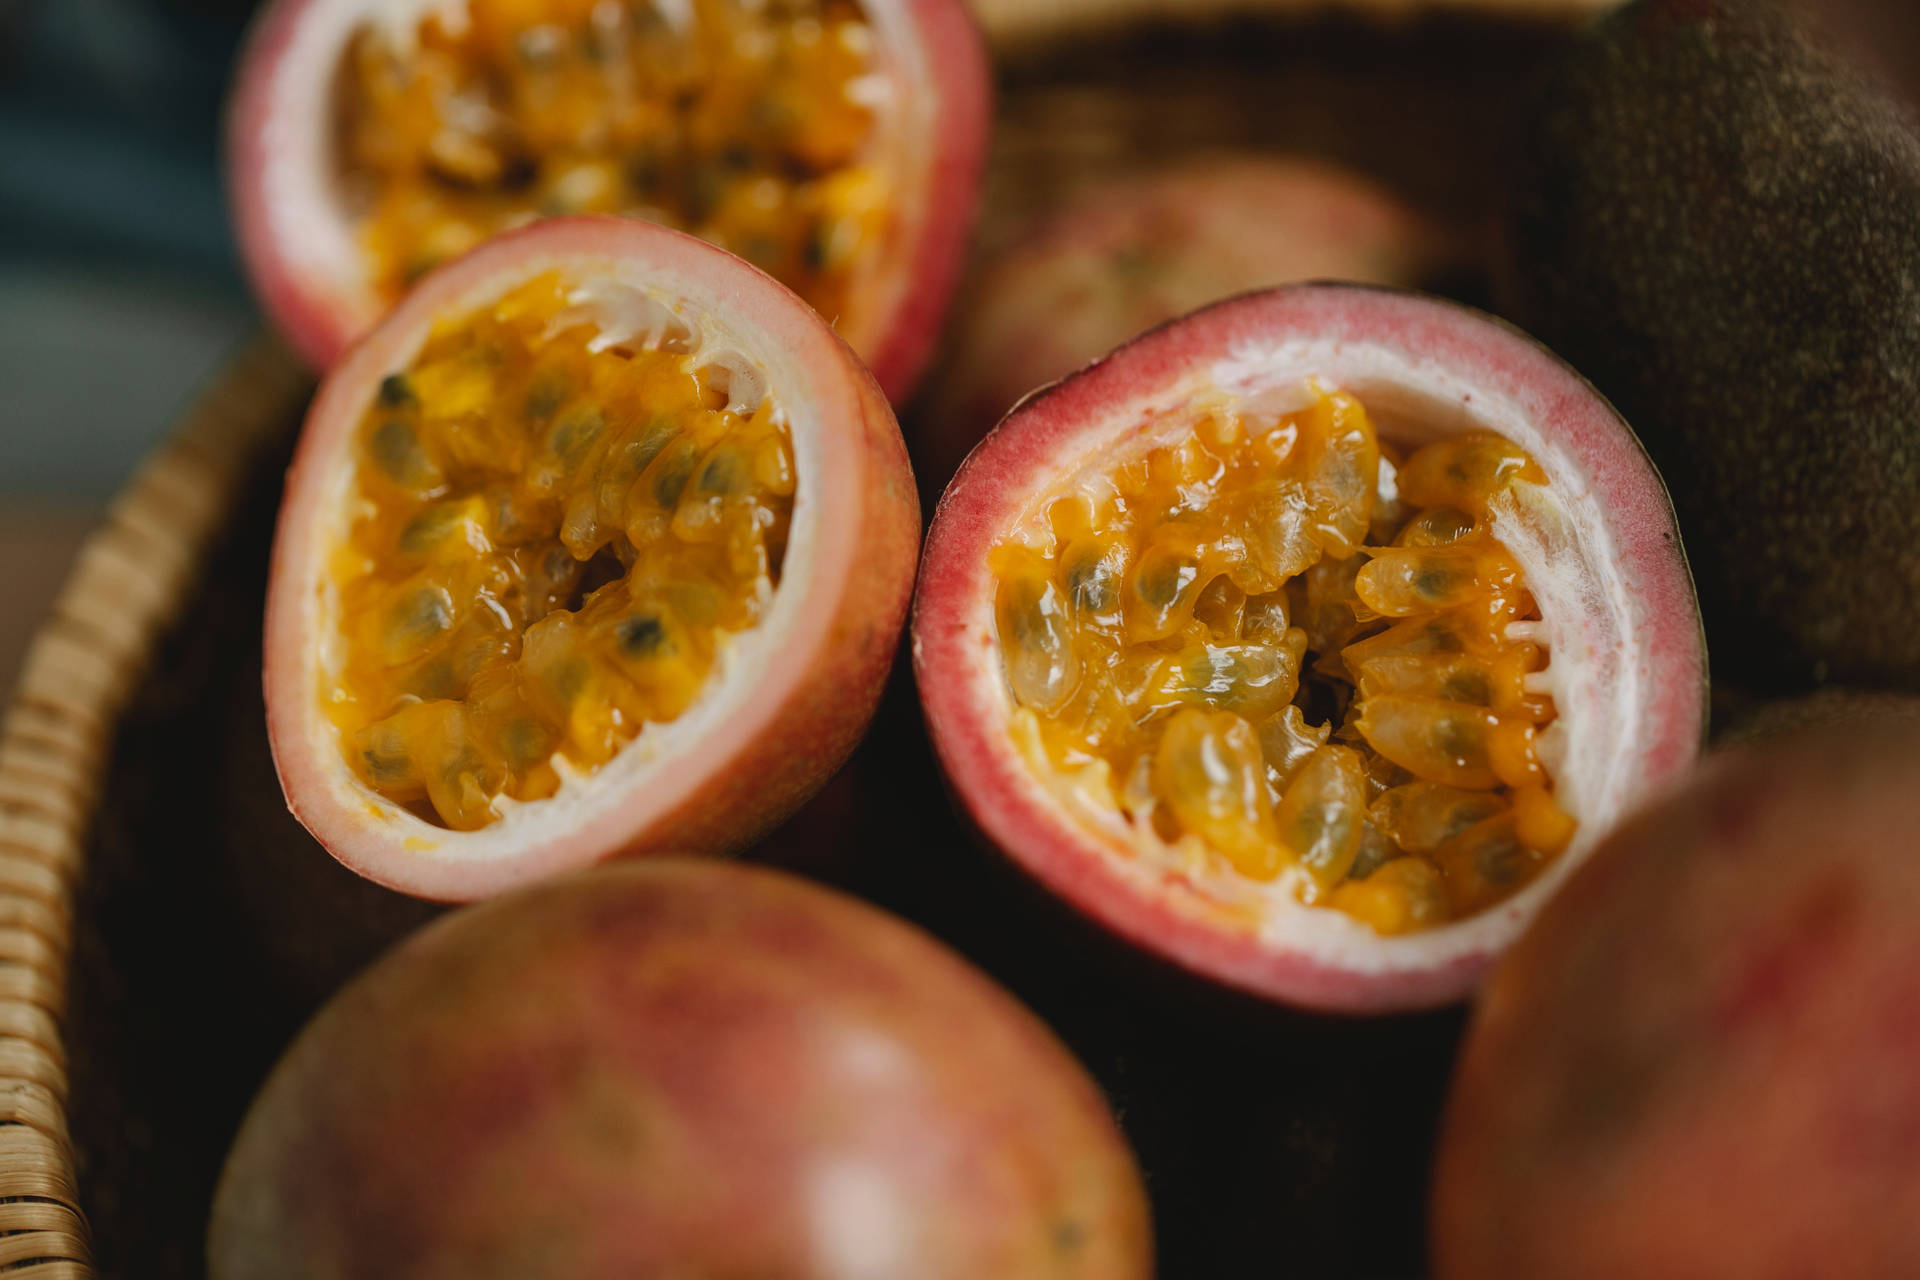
x: 1725, y: 1000
x: 678, y: 1069
x: 600, y: 543
x: 1311, y: 640
x: 835, y: 143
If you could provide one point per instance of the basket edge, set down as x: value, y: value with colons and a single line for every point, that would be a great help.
x: 128, y: 581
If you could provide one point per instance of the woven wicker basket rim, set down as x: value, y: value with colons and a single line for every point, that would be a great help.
x: 131, y: 576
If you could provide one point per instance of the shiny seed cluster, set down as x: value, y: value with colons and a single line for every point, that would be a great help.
x: 750, y: 125
x: 1246, y: 638
x: 551, y: 544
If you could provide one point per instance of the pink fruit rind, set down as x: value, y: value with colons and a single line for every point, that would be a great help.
x: 743, y: 772
x: 961, y: 81
x: 316, y: 311
x: 1629, y: 661
x: 298, y: 251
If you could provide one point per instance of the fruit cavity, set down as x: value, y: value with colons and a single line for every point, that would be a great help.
x: 753, y: 126
x: 678, y: 1069
x: 1277, y: 656
x: 563, y: 514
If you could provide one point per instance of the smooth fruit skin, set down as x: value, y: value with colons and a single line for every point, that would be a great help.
x: 1647, y: 663
x: 1716, y: 223
x: 1700, y: 1061
x: 1130, y: 252
x: 746, y: 772
x: 301, y: 260
x: 674, y: 1070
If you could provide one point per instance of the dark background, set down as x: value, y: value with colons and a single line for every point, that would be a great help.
x: 118, y: 286
x: 119, y: 291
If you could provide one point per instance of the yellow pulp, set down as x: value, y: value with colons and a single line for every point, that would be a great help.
x: 549, y: 545
x: 750, y: 125
x: 1242, y: 642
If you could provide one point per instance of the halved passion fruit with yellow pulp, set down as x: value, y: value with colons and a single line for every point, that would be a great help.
x: 600, y: 543
x: 1310, y: 640
x: 834, y: 143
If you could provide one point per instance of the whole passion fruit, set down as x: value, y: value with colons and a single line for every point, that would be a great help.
x: 678, y: 1069
x: 1310, y: 640
x: 600, y: 543
x: 1140, y: 248
x: 1700, y: 1059
x: 837, y: 144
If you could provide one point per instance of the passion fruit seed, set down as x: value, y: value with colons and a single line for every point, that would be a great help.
x: 750, y: 125
x: 554, y: 535
x: 1144, y: 624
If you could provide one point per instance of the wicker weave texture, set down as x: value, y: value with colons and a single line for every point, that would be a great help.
x: 129, y: 578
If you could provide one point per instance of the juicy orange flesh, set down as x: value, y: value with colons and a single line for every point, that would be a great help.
x: 1241, y: 641
x: 550, y: 545
x: 748, y: 125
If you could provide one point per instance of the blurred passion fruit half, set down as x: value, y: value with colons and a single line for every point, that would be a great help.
x: 836, y: 144
x: 1311, y: 640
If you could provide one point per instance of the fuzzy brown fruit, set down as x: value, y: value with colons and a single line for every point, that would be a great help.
x: 1715, y: 222
x: 1790, y: 717
x: 1700, y: 1060
x: 1020, y: 22
x: 678, y: 1069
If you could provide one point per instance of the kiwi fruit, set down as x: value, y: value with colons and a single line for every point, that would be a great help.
x: 1717, y: 220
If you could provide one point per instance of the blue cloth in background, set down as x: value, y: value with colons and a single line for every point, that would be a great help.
x: 119, y: 289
